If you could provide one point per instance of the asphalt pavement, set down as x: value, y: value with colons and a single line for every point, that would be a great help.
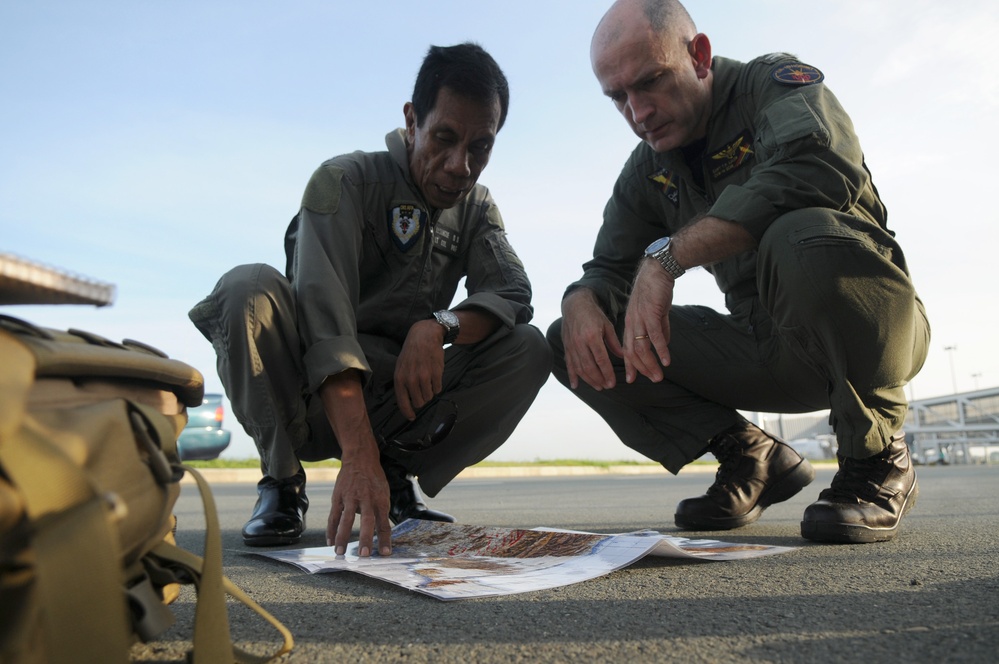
x: 931, y: 595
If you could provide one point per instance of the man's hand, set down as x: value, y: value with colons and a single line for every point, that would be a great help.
x: 587, y: 335
x: 646, y: 323
x: 360, y: 488
x: 419, y: 372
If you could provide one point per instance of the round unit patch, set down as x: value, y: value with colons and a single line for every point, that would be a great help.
x: 796, y: 73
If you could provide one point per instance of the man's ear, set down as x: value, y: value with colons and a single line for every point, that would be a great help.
x: 700, y: 54
x: 409, y: 111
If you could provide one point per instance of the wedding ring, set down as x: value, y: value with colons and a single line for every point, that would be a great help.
x: 641, y: 336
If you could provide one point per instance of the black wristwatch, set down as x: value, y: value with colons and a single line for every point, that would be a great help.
x: 660, y: 250
x: 451, y: 325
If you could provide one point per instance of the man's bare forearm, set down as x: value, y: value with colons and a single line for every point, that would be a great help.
x: 343, y: 400
x: 709, y: 240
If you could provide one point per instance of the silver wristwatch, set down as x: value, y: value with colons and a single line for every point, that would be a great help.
x: 660, y: 250
x: 451, y: 325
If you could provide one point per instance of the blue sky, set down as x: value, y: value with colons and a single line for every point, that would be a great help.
x: 154, y: 145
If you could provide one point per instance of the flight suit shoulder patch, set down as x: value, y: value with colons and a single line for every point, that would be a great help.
x: 322, y: 194
x: 796, y: 73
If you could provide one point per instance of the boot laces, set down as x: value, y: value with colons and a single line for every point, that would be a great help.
x: 726, y: 450
x: 856, y: 479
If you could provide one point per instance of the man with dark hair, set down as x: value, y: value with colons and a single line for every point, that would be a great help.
x: 753, y: 171
x: 344, y: 354
x: 465, y: 67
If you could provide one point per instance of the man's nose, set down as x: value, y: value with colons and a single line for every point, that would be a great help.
x: 457, y: 163
x: 640, y: 107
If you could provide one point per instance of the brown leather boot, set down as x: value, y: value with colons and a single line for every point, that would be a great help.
x: 867, y: 499
x: 756, y: 470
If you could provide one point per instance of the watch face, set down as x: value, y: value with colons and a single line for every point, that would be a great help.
x: 657, y: 245
x: 448, y: 318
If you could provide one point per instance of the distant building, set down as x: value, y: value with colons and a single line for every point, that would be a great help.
x: 960, y: 428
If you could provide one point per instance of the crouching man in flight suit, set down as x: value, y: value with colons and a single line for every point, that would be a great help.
x: 353, y: 352
x: 753, y: 171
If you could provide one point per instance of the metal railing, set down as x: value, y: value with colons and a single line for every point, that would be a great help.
x: 960, y: 428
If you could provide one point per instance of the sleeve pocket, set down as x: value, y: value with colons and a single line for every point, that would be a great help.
x: 790, y: 119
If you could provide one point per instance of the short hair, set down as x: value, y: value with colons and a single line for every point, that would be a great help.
x: 667, y: 16
x: 465, y: 69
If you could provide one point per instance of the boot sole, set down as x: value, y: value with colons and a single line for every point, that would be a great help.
x: 270, y: 540
x: 786, y: 487
x: 851, y: 533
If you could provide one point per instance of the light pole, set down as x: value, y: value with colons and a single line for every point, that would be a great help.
x: 976, y: 376
x: 953, y: 374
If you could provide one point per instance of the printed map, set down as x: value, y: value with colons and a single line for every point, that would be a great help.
x: 455, y: 561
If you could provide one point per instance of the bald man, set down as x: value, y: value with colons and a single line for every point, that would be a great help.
x: 753, y: 172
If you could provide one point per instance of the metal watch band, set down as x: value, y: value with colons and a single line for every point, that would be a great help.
x: 665, y: 258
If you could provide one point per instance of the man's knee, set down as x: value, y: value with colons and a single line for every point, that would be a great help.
x: 533, y: 352
x: 519, y: 358
x: 554, y: 338
x: 246, y: 284
x: 812, y: 258
x: 245, y: 289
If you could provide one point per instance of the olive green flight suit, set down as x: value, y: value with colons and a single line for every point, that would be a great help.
x: 366, y: 259
x: 822, y: 314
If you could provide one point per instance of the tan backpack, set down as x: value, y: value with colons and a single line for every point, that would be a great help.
x: 89, y: 475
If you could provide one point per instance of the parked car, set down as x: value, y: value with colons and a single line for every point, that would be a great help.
x: 203, y: 437
x: 930, y: 456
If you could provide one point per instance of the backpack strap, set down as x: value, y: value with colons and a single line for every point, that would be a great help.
x: 212, y: 639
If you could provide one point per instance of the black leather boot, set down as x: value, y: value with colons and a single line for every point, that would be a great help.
x: 756, y: 470
x: 867, y: 499
x: 405, y: 499
x: 279, y: 516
